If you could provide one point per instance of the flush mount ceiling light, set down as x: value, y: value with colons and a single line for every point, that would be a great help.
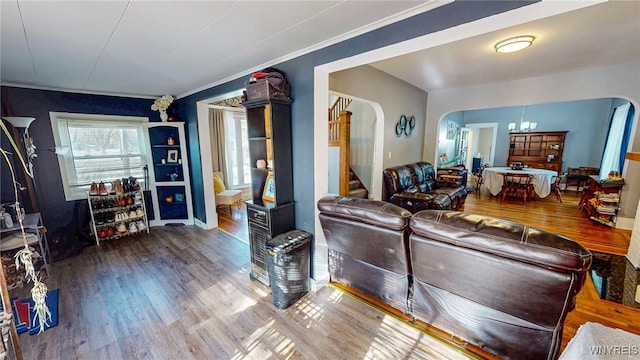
x: 514, y: 44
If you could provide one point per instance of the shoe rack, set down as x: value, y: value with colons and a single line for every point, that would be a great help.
x: 117, y: 215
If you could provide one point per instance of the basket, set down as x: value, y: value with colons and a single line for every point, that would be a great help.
x: 288, y: 261
x: 261, y: 89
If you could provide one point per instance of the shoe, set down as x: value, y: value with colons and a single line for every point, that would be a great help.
x: 133, y: 214
x: 102, y: 189
x: 122, y: 228
x: 139, y: 212
x: 133, y: 228
x: 125, y: 216
x: 141, y: 225
x: 118, y: 185
x: 113, y: 188
x: 94, y: 189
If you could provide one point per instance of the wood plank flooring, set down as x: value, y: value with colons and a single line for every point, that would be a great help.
x: 185, y: 293
x: 550, y: 215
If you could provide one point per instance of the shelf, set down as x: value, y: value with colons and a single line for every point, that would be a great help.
x: 165, y: 146
x: 602, y: 221
x: 16, y: 241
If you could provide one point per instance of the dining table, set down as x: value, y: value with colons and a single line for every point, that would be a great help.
x: 541, y: 179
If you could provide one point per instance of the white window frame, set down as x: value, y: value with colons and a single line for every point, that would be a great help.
x: 236, y: 116
x: 62, y: 141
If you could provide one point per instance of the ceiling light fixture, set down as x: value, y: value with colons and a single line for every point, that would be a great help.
x: 514, y: 44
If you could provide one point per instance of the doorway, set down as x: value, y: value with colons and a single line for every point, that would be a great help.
x: 483, y: 144
x: 231, y: 220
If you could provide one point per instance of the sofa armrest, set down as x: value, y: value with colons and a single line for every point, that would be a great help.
x: 413, y: 201
x: 373, y: 212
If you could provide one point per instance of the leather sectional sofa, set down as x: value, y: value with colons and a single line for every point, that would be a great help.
x: 414, y: 187
x: 495, y: 284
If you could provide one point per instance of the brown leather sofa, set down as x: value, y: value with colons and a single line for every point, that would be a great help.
x: 414, y: 187
x: 498, y: 285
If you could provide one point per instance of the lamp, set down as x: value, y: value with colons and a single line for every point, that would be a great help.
x: 514, y: 44
x: 19, y: 121
x: 24, y: 122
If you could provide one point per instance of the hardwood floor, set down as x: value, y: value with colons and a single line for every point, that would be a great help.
x: 550, y: 215
x: 183, y: 292
x: 233, y: 221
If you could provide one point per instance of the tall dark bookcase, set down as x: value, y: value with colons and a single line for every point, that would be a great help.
x: 270, y: 212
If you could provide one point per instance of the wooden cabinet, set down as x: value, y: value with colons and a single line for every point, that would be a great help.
x: 169, y: 174
x: 270, y: 212
x: 540, y: 150
x: 264, y: 224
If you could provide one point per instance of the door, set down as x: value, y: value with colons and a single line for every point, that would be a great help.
x: 464, y: 146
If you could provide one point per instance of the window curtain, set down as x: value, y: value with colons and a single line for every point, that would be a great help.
x: 218, y: 146
x: 615, y: 140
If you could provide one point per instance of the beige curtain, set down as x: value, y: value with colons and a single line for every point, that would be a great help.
x: 218, y: 145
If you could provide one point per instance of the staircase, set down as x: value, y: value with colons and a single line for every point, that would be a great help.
x: 339, y: 135
x: 356, y: 188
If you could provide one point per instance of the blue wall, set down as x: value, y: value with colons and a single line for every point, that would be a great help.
x: 586, y: 120
x: 299, y: 71
x: 56, y: 211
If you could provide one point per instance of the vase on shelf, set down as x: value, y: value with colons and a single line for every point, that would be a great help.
x: 163, y: 115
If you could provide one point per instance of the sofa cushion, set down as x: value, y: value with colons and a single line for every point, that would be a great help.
x: 497, y: 236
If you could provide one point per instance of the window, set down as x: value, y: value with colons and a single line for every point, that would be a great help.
x: 97, y: 148
x: 237, y: 149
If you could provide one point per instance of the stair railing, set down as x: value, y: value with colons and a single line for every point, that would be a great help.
x: 339, y: 135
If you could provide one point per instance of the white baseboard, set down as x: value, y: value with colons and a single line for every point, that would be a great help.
x: 624, y: 223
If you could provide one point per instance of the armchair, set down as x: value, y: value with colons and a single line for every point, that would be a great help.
x: 414, y: 187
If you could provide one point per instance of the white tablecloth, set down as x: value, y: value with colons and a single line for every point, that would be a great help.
x: 541, y: 181
x: 596, y: 341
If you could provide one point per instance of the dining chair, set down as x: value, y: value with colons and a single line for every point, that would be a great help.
x: 555, y: 185
x: 580, y: 176
x: 478, y: 179
x: 517, y: 185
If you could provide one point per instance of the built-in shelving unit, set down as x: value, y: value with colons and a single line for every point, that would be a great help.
x: 169, y: 174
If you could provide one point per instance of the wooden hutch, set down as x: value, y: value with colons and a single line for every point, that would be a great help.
x: 540, y: 150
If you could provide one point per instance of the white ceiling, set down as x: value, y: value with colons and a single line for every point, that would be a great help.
x: 150, y: 48
x: 594, y: 36
x: 170, y: 47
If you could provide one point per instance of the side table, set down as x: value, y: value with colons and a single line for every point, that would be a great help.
x: 11, y: 239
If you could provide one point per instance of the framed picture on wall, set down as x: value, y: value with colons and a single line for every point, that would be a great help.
x: 172, y: 156
x: 452, y: 130
x: 269, y: 192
